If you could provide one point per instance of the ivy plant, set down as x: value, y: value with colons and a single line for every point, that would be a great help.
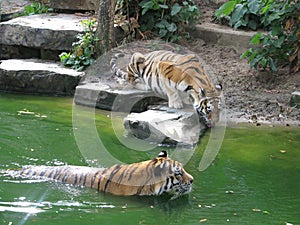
x: 83, y: 51
x: 279, y: 21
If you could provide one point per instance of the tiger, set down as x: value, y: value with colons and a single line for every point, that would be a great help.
x: 152, y: 177
x: 169, y: 74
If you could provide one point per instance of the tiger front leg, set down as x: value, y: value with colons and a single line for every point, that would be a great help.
x: 174, y: 99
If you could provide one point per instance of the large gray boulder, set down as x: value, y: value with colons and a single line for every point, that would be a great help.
x: 295, y: 99
x: 37, y: 77
x: 166, y: 125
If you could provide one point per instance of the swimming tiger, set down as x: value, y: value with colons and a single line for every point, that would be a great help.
x: 169, y: 74
x: 152, y: 177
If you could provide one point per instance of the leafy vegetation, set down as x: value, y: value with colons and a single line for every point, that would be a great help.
x: 36, y: 8
x: 279, y: 20
x: 83, y: 52
x: 165, y: 18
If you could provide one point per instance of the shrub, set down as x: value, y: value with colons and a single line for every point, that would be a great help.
x: 165, y: 18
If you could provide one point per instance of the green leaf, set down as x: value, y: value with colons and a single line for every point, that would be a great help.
x: 252, y: 24
x: 171, y: 27
x: 163, y: 6
x: 146, y: 6
x: 238, y: 13
x: 254, y: 6
x: 193, y: 8
x: 175, y: 9
x: 264, y: 62
x: 225, y: 9
x: 265, y: 9
x: 255, y: 61
x: 246, y: 53
x: 272, y: 64
x: 162, y: 32
x: 238, y: 24
x: 256, y: 38
x: 161, y: 24
x: 276, y: 30
x: 279, y: 42
x: 272, y: 17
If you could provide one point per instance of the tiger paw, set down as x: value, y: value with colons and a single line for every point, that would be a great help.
x: 176, y: 105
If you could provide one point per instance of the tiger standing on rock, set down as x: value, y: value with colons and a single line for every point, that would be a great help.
x: 152, y: 177
x: 170, y: 74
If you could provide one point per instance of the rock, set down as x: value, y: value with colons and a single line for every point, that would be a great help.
x: 295, y: 99
x: 44, y: 31
x: 87, y: 5
x: 105, y: 97
x: 12, y: 8
x: 166, y: 125
x: 38, y: 77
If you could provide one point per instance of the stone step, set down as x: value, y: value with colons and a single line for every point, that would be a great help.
x: 113, y: 98
x: 42, y: 31
x: 223, y: 35
x: 84, y: 5
x: 38, y: 77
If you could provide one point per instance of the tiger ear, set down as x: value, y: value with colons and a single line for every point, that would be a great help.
x: 219, y: 87
x: 163, y: 154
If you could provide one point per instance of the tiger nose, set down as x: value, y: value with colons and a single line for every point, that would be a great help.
x: 191, y: 180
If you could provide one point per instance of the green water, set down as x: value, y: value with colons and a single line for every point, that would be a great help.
x: 255, y: 178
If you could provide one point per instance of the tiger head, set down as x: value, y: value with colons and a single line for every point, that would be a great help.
x: 176, y: 181
x: 207, y: 107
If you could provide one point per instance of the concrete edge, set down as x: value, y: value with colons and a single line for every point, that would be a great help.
x: 216, y: 34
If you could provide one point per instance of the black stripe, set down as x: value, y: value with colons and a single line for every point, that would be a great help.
x: 93, y: 179
x: 61, y: 173
x: 99, y: 182
x: 50, y: 174
x: 84, y: 180
x: 132, y: 171
x: 43, y: 172
x: 188, y: 61
x: 63, y: 180
x: 80, y: 179
x: 147, y: 72
x: 100, y: 178
x: 33, y: 173
x: 75, y: 178
x: 201, y: 80
x: 113, y: 173
x: 57, y: 173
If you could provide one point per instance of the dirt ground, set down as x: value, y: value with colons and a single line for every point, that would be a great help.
x: 250, y: 95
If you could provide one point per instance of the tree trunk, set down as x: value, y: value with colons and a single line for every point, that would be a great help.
x: 105, y: 27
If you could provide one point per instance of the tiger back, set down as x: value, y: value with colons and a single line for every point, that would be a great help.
x: 152, y: 177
